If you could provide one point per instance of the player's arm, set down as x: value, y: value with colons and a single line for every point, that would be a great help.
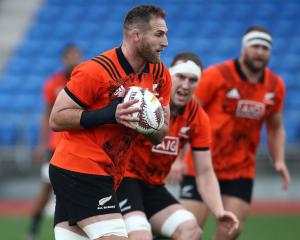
x: 44, y: 134
x: 158, y: 136
x: 178, y: 168
x: 209, y: 189
x: 68, y: 115
x: 276, y: 145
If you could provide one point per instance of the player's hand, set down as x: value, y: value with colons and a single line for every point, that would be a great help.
x: 123, y: 112
x: 175, y: 176
x: 39, y: 152
x: 282, y: 169
x: 229, y: 221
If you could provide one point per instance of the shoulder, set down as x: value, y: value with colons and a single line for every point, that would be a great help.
x: 100, y: 65
x: 273, y: 79
x: 196, y: 116
x: 159, y: 70
x: 192, y: 109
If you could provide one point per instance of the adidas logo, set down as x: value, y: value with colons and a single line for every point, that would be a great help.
x: 269, y: 95
x: 119, y: 91
x: 123, y: 206
x: 233, y: 93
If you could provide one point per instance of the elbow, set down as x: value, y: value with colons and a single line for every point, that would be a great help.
x: 53, y: 123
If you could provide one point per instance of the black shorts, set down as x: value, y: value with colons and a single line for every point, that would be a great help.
x: 240, y: 188
x: 136, y: 195
x: 79, y: 196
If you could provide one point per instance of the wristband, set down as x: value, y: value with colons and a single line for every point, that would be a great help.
x: 94, y: 118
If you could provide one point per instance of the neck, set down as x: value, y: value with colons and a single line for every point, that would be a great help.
x: 252, y: 76
x: 137, y: 63
x: 173, y: 109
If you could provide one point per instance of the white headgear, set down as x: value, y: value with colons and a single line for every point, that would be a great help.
x: 257, y: 37
x: 186, y: 67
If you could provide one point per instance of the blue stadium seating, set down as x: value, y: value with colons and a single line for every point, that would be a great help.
x: 212, y: 29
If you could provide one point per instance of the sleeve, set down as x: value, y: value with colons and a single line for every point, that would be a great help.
x: 201, y: 137
x: 208, y: 85
x: 280, y: 95
x: 166, y: 88
x: 82, y: 87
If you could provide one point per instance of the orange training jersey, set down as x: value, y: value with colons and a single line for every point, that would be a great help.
x: 152, y: 163
x: 94, y: 84
x: 237, y: 110
x: 51, y: 89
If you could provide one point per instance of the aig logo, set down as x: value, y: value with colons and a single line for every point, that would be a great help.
x: 168, y: 146
x: 250, y: 109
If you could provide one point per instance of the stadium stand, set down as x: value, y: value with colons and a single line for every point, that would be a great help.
x: 210, y: 28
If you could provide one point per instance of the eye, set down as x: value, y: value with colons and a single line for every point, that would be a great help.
x: 159, y: 33
x: 193, y: 80
x: 180, y: 76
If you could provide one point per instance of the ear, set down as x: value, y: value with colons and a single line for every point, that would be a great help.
x: 136, y: 34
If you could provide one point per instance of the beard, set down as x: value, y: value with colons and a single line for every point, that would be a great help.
x: 148, y: 54
x: 253, y: 67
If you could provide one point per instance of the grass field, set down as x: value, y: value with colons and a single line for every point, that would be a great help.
x: 257, y: 227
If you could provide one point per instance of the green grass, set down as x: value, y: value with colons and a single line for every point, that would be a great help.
x: 256, y: 228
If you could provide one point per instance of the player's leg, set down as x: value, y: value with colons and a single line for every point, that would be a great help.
x: 86, y: 207
x: 176, y: 223
x: 41, y: 200
x: 130, y: 196
x: 167, y: 217
x: 137, y: 226
x: 38, y: 207
x: 198, y: 208
x: 236, y: 195
x: 108, y: 226
x: 192, y: 201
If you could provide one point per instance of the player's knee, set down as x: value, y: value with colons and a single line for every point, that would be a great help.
x: 223, y: 232
x: 236, y: 233
x: 181, y: 225
x: 106, y: 228
x: 138, y: 228
x: 140, y: 235
x: 188, y: 230
x: 62, y: 234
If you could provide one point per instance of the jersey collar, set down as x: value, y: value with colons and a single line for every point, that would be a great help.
x: 242, y: 75
x: 126, y: 65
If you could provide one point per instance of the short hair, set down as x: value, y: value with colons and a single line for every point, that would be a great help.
x: 257, y: 28
x: 186, y: 56
x: 141, y: 15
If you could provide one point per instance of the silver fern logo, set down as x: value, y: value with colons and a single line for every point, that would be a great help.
x: 102, y: 201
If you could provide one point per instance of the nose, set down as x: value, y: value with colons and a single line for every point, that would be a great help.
x: 185, y: 83
x: 164, y: 42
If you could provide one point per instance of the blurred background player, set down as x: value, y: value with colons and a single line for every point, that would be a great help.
x: 142, y: 194
x: 239, y: 96
x: 48, y: 140
x: 90, y: 159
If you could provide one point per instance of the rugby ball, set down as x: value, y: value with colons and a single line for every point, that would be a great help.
x: 151, y: 114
